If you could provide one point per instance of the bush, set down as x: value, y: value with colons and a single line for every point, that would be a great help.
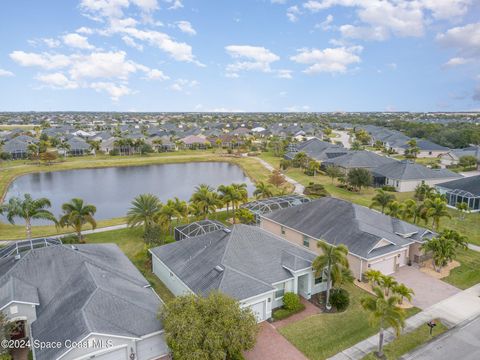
x: 70, y: 239
x: 389, y: 188
x: 153, y: 235
x: 114, y: 152
x: 315, y: 190
x: 340, y: 299
x: 5, y: 156
x: 291, y: 301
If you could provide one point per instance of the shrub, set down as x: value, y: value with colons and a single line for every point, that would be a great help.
x: 291, y: 301
x: 70, y: 239
x: 315, y: 190
x: 282, y: 313
x: 389, y: 188
x: 340, y: 299
x: 152, y: 235
x: 114, y: 152
x: 5, y: 156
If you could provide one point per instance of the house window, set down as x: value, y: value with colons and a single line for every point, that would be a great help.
x: 306, y: 241
x: 282, y: 229
x: 280, y: 291
x: 319, y: 279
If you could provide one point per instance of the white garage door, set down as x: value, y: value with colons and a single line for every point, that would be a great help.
x: 386, y: 266
x: 259, y: 310
x: 118, y: 354
x: 151, y: 348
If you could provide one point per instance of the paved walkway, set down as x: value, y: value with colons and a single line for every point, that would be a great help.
x: 299, y: 188
x: 428, y: 290
x: 474, y: 247
x: 452, y: 311
x: 344, y: 137
x: 272, y: 346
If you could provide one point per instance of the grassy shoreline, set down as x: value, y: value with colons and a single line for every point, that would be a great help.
x: 250, y: 166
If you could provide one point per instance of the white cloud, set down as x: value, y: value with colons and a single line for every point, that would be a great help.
x: 284, y: 74
x: 96, y: 9
x: 57, y: 80
x: 85, y: 30
x: 6, y: 73
x: 114, y: 90
x: 293, y: 13
x: 51, y: 43
x: 249, y: 58
x: 155, y: 74
x: 465, y: 40
x: 176, y: 4
x: 77, y: 41
x: 329, y: 60
x: 278, y: 1
x: 457, y: 61
x: 381, y: 19
x: 297, y: 108
x: 44, y: 60
x: 184, y: 85
x: 325, y: 25
x: 186, y: 27
x: 130, y: 42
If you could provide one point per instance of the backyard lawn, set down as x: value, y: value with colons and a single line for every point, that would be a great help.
x: 408, y: 342
x: 131, y: 243
x: 324, y: 335
x: 468, y: 273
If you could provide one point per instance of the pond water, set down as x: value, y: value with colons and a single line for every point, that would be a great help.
x: 112, y: 189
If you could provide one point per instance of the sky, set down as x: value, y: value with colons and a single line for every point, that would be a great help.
x: 240, y: 55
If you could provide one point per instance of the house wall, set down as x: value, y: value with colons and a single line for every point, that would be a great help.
x: 173, y: 283
x: 430, y: 154
x: 410, y: 185
x: 289, y: 287
x: 266, y: 298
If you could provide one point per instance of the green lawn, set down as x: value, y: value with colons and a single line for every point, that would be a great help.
x: 131, y: 243
x: 468, y: 273
x: 324, y: 335
x: 408, y: 342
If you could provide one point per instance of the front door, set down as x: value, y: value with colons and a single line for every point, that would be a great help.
x: 303, y: 286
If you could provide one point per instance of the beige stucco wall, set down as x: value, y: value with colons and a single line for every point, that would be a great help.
x: 410, y: 185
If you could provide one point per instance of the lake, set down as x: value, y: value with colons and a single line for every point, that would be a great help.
x: 112, y: 189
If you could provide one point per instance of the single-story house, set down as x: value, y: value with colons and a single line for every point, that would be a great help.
x: 316, y: 149
x: 195, y: 141
x: 88, y: 294
x: 465, y: 190
x: 406, y: 175
x: 246, y: 262
x: 358, y: 159
x: 16, y: 148
x: 428, y: 148
x: 453, y: 156
x: 78, y: 146
x: 374, y: 240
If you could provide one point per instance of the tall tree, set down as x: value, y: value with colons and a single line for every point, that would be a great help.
x: 76, y: 214
x: 381, y: 199
x: 333, y: 172
x: 144, y: 211
x: 166, y: 215
x: 384, y: 312
x: 403, y: 292
x: 394, y: 209
x: 240, y: 195
x: 28, y: 209
x: 436, y: 209
x: 443, y: 251
x: 226, y: 195
x: 359, y: 178
x: 262, y: 190
x: 332, y: 260
x: 206, y: 200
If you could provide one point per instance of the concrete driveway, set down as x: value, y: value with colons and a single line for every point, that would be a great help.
x: 428, y: 290
x: 272, y: 345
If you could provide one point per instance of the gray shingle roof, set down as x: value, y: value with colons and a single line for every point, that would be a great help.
x: 470, y: 184
x: 360, y: 159
x: 318, y: 149
x: 92, y: 289
x: 252, y: 259
x: 341, y: 222
x: 408, y: 170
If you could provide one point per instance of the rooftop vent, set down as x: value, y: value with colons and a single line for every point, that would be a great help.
x: 226, y: 230
x: 73, y: 247
x: 219, y: 268
x: 17, y: 257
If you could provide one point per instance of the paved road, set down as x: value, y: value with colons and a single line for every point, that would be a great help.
x: 462, y: 342
x: 344, y: 138
x: 453, y: 311
x: 299, y: 188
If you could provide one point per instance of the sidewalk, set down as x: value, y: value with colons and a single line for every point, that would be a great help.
x: 474, y: 247
x: 452, y: 311
x: 299, y: 188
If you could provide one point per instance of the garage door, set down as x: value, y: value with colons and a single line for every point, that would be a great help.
x: 386, y: 266
x: 152, y: 347
x: 117, y: 354
x: 259, y: 310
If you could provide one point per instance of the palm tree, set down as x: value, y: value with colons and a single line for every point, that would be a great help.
x: 28, y: 209
x: 387, y: 283
x: 459, y: 239
x: 166, y: 215
x: 373, y: 276
x: 206, y: 200
x: 76, y: 214
x: 463, y: 208
x: 394, y: 209
x: 240, y: 195
x: 144, y: 211
x: 403, y: 292
x: 332, y: 260
x: 443, y: 251
x: 436, y: 209
x: 262, y: 190
x: 384, y: 312
x: 226, y: 194
x: 409, y: 210
x: 382, y: 199
x: 181, y: 209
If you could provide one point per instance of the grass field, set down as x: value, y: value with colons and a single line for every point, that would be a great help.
x: 468, y: 273
x: 408, y: 342
x: 324, y: 335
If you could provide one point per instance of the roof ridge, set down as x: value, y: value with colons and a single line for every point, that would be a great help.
x: 247, y: 275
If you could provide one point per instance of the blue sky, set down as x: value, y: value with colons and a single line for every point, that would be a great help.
x: 240, y: 55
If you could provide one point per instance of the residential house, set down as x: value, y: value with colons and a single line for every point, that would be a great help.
x: 358, y: 159
x: 78, y: 146
x: 87, y: 293
x: 453, y: 156
x: 195, y: 142
x: 316, y: 149
x: 374, y: 240
x: 251, y: 265
x: 16, y: 148
x: 464, y: 190
x: 406, y: 175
